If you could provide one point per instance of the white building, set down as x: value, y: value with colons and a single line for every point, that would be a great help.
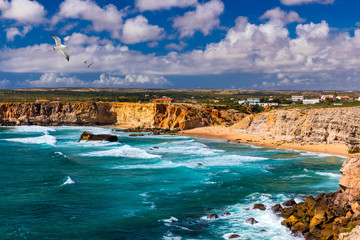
x: 269, y: 104
x: 253, y: 101
x: 311, y: 101
x: 297, y: 98
x: 241, y: 102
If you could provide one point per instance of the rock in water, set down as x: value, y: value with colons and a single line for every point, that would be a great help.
x: 259, y: 206
x: 252, y: 221
x: 212, y: 216
x: 89, y: 136
x: 289, y: 203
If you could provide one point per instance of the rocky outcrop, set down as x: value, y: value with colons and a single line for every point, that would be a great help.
x: 330, y: 125
x: 328, y: 215
x: 151, y: 115
x: 89, y: 136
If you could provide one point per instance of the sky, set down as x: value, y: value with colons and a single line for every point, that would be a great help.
x: 206, y: 44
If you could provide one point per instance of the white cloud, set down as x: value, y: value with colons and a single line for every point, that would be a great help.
x: 131, y: 81
x: 138, y: 30
x: 277, y: 14
x: 204, y: 19
x: 299, y: 2
x: 23, y: 11
x: 56, y: 80
x: 105, y: 80
x: 152, y: 5
x: 12, y: 32
x: 177, y: 47
x: 108, y: 18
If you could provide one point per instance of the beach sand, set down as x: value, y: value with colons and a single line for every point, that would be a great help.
x: 263, y: 140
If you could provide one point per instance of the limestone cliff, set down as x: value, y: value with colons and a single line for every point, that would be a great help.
x: 330, y: 125
x: 152, y: 115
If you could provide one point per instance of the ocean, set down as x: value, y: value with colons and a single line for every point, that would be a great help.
x: 148, y: 187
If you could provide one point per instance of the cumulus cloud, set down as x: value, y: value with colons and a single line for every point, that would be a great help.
x: 105, y: 80
x: 138, y: 30
x: 277, y: 14
x: 177, y: 47
x: 23, y: 11
x: 56, y: 80
x: 12, y: 32
x: 204, y: 19
x: 152, y: 5
x: 300, y: 2
x: 108, y: 18
x: 131, y: 81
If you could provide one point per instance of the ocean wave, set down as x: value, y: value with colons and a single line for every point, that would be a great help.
x: 123, y: 151
x: 45, y: 139
x: 330, y: 175
x: 187, y: 147
x: 35, y: 129
x: 159, y: 165
x: 68, y: 181
x: 170, y: 220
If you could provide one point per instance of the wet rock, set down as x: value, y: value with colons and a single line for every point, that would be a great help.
x: 259, y: 206
x: 234, y: 236
x: 155, y: 147
x: 136, y: 135
x: 252, y: 221
x: 289, y: 203
x: 89, y: 136
x: 212, y: 216
x: 199, y: 164
x: 277, y: 208
x: 227, y: 214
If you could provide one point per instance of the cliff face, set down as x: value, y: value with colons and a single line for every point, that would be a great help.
x: 150, y: 115
x: 328, y: 215
x: 167, y: 116
x: 331, y: 125
x: 89, y: 113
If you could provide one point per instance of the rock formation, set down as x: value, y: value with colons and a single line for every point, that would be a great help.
x: 89, y: 136
x: 325, y: 125
x: 151, y: 115
x: 328, y: 215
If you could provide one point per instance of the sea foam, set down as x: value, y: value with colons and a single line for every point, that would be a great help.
x: 45, y: 139
x: 68, y: 181
x: 123, y: 151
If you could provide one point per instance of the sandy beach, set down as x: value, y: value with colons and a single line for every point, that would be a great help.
x: 263, y: 140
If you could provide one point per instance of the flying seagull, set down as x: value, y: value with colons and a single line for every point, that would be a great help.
x: 89, y: 64
x: 60, y: 47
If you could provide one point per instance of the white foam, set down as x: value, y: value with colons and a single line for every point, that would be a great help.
x: 188, y: 147
x: 61, y: 154
x: 68, y: 181
x: 223, y: 160
x: 33, y: 129
x: 159, y: 165
x: 48, y: 139
x: 170, y: 220
x: 123, y: 151
x: 327, y: 174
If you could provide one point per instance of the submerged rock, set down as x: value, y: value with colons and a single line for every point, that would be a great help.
x: 234, y: 236
x: 89, y: 136
x: 289, y: 203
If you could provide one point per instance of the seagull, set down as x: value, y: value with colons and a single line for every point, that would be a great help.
x: 85, y: 62
x: 60, y: 47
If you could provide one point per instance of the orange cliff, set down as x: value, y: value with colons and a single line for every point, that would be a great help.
x: 152, y: 115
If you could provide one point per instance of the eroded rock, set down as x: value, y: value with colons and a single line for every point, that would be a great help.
x: 89, y: 136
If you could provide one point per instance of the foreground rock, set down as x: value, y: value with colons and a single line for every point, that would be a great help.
x: 89, y: 136
x: 328, y: 215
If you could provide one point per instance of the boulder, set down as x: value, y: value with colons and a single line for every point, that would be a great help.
x: 259, y: 206
x: 89, y: 136
x: 212, y: 216
x: 234, y: 236
x: 289, y: 203
x: 252, y: 221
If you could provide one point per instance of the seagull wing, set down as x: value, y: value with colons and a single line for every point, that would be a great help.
x: 65, y: 52
x: 90, y: 64
x: 57, y: 39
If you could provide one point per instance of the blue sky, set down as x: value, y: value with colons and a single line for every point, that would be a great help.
x: 226, y: 44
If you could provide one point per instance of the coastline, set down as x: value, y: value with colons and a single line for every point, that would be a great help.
x: 263, y: 140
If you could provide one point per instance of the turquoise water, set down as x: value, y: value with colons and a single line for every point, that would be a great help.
x: 149, y: 187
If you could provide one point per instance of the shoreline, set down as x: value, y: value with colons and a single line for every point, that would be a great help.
x: 263, y: 140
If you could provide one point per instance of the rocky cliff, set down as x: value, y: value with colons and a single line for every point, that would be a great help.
x: 152, y: 115
x: 330, y: 125
x: 328, y: 215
